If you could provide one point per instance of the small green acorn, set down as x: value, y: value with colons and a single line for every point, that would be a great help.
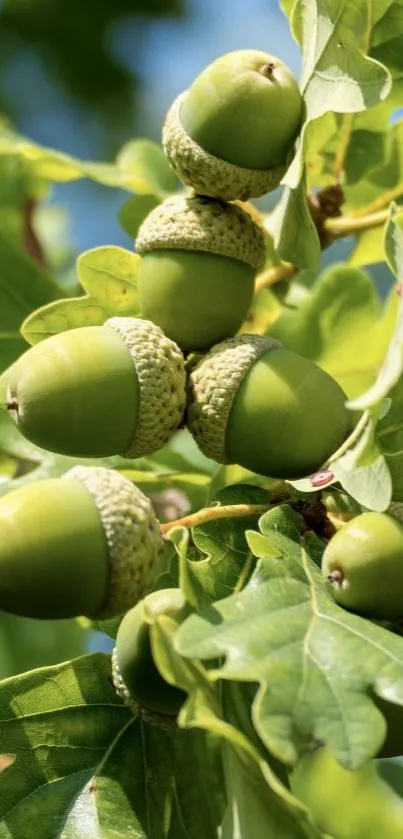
x: 88, y: 544
x: 199, y: 260
x: 136, y: 678
x: 363, y: 564
x: 257, y: 404
x: 99, y: 390
x: 347, y: 804
x: 232, y: 134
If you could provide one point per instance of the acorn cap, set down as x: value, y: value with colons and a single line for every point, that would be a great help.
x: 213, y: 384
x: 196, y: 223
x: 160, y: 370
x: 166, y: 722
x: 132, y: 533
x: 209, y: 175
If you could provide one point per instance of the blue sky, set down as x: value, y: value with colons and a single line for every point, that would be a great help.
x: 170, y: 53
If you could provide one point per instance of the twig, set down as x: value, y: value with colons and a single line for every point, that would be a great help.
x: 378, y: 203
x: 280, y: 272
x: 349, y: 225
x: 335, y: 227
x: 31, y: 241
x: 213, y: 513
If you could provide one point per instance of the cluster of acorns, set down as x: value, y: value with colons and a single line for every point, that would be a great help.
x: 89, y: 543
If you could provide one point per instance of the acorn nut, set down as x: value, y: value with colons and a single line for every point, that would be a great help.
x: 88, y: 544
x: 232, y: 134
x: 199, y: 260
x: 257, y: 404
x: 97, y: 391
x: 136, y: 677
x: 363, y: 564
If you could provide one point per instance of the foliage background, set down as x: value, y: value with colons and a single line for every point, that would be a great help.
x: 84, y: 78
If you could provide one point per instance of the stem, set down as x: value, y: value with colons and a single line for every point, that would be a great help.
x: 213, y: 513
x: 338, y: 227
x: 348, y: 225
x: 272, y: 276
x: 341, y: 155
x: 368, y: 31
x: 378, y: 204
x: 31, y: 241
x: 353, y: 437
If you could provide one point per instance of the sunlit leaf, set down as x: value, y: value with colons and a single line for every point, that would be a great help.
x: 342, y: 325
x: 316, y: 664
x: 83, y: 762
x: 108, y: 275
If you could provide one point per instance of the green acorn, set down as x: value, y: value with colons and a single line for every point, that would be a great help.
x: 257, y: 404
x: 363, y: 564
x: 232, y: 134
x: 86, y: 544
x: 347, y: 804
x: 199, y: 260
x: 135, y: 675
x: 99, y: 390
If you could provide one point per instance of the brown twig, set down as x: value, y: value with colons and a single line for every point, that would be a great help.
x: 32, y: 245
x: 349, y: 225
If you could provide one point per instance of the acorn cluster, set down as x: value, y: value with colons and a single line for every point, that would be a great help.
x: 89, y: 544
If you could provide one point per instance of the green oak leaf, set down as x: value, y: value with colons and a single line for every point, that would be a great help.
x: 293, y: 229
x: 79, y: 763
x: 366, y: 151
x: 257, y: 807
x: 387, y: 40
x: 368, y: 248
x: 257, y: 798
x: 390, y: 439
x: 315, y: 663
x: 145, y: 162
x: 383, y: 183
x: 387, y: 469
x: 223, y: 563
x: 140, y: 166
x: 24, y: 285
x: 109, y: 276
x: 286, y: 6
x: 363, y: 470
x: 342, y: 325
x: 337, y: 76
x: 134, y: 211
x: 392, y: 367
